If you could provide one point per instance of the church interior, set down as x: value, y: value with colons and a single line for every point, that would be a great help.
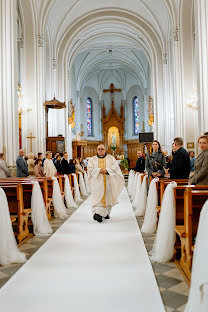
x: 76, y: 74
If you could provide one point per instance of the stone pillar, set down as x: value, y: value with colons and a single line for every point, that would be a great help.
x: 178, y: 91
x: 168, y: 100
x: 40, y: 110
x: 201, y: 16
x: 9, y: 138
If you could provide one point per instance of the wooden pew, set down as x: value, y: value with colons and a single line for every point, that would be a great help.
x: 165, y: 182
x: 44, y: 185
x: 193, y: 203
x: 14, y: 193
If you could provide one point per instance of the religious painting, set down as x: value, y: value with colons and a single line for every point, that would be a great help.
x: 136, y: 115
x: 190, y: 144
x: 60, y: 146
x: 89, y: 116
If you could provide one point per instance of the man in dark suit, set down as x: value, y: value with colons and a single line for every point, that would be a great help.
x: 65, y: 164
x: 180, y: 165
x: 140, y: 164
x: 22, y: 169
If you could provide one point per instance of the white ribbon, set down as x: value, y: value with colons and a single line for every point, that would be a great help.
x: 141, y: 205
x: 76, y: 190
x: 163, y: 247
x: 83, y: 190
x: 41, y: 226
x: 59, y: 207
x: 9, y: 253
x: 138, y: 190
x: 70, y: 203
x: 150, y: 219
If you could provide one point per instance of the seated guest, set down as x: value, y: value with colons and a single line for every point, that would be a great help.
x: 72, y: 166
x: 31, y: 163
x: 155, y: 163
x: 65, y: 164
x: 200, y: 176
x: 49, y: 168
x: 58, y: 165
x: 192, y: 160
x: 78, y: 167
x: 22, y: 169
x: 4, y: 171
x: 180, y: 165
x: 38, y: 169
x: 55, y: 157
x: 140, y: 164
x: 40, y: 156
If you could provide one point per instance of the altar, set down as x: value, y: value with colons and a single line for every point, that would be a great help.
x: 113, y: 126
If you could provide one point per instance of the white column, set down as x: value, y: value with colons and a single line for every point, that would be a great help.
x: 9, y: 132
x: 201, y: 14
x: 178, y: 90
x: 40, y: 110
x: 168, y: 100
x: 68, y: 130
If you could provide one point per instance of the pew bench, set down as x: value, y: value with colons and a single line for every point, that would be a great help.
x: 193, y: 202
x: 43, y: 182
x: 15, y: 198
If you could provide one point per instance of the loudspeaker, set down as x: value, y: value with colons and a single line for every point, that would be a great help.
x: 146, y: 137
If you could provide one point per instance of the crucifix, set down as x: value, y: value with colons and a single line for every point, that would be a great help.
x: 112, y: 90
x: 30, y: 137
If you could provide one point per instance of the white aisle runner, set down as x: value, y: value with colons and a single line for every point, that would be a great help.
x: 87, y: 266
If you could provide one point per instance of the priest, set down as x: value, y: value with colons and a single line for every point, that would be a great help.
x: 106, y: 182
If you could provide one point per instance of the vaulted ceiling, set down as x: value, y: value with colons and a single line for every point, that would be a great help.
x: 115, y: 45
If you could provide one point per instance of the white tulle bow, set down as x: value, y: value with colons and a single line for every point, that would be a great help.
x: 41, y: 226
x: 59, y: 207
x: 9, y: 253
x: 150, y: 219
x: 70, y: 203
x: 164, y: 242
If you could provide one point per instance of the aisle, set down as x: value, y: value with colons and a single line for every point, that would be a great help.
x: 87, y: 266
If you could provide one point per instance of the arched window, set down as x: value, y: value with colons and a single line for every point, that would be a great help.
x: 89, y: 116
x: 136, y: 115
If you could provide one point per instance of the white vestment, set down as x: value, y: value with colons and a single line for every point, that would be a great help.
x: 49, y: 168
x: 105, y: 188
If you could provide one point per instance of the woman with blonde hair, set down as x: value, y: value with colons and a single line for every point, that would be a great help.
x: 200, y: 176
x: 31, y: 164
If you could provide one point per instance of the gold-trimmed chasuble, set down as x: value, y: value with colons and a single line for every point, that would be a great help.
x: 102, y: 165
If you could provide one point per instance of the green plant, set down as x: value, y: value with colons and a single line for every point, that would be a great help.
x: 124, y: 164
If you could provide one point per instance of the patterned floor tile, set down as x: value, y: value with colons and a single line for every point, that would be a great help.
x: 182, y: 308
x: 181, y: 288
x: 175, y: 273
x: 172, y: 286
x: 27, y: 246
x: 3, y: 275
x: 168, y: 309
x: 3, y: 281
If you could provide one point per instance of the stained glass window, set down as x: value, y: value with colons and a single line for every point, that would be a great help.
x: 89, y: 116
x: 136, y: 115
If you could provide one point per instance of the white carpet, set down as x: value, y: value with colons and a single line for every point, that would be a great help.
x: 87, y: 266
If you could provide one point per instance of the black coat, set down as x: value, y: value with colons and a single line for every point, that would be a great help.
x: 180, y: 165
x: 140, y: 164
x: 65, y: 166
x: 58, y: 166
x: 72, y: 168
